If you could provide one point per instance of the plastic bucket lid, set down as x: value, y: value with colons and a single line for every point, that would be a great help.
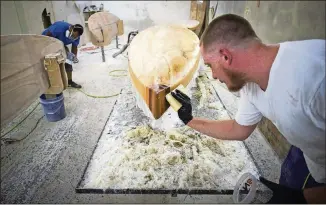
x: 245, y: 189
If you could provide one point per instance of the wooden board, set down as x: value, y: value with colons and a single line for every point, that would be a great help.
x: 190, y: 24
x: 150, y: 49
x: 193, y: 10
x: 23, y: 76
x: 198, y: 12
x: 120, y: 28
x: 54, y: 65
x: 103, y: 27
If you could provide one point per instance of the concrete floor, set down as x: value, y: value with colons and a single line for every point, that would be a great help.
x: 47, y: 165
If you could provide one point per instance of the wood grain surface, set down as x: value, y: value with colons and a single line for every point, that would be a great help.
x: 103, y: 27
x: 156, y: 100
x: 23, y: 76
x: 54, y: 65
x: 198, y: 12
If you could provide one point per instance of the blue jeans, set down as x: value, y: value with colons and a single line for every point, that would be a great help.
x: 294, y: 171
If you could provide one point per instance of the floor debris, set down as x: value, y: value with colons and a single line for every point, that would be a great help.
x: 132, y: 155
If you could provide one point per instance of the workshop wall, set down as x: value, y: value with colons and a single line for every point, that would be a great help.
x: 11, y: 25
x: 24, y: 17
x: 143, y: 14
x: 277, y: 21
x: 68, y: 11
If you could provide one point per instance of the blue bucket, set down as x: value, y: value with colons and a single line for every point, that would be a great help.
x: 54, y: 109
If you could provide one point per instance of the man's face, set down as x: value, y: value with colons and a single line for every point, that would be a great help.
x: 75, y: 35
x: 220, y: 65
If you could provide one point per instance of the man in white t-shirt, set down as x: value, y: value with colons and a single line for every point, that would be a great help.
x: 283, y: 82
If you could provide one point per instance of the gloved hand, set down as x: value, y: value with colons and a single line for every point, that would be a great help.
x: 283, y: 194
x: 75, y: 59
x: 71, y: 56
x: 185, y: 112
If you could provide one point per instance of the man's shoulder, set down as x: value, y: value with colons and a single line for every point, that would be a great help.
x: 61, y: 24
x: 299, y: 61
x: 310, y: 47
x: 301, y: 68
x: 305, y: 43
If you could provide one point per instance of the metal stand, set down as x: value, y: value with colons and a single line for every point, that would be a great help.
x: 103, y: 54
x: 131, y: 35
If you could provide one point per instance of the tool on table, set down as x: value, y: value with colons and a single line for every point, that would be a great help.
x: 131, y: 35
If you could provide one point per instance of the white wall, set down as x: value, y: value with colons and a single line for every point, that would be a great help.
x: 22, y: 17
x: 143, y: 14
x: 68, y: 11
x: 8, y: 12
x: 25, y: 17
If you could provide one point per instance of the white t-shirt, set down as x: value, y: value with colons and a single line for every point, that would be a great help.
x: 294, y: 100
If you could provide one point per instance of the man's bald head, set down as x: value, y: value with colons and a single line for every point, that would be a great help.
x: 228, y: 30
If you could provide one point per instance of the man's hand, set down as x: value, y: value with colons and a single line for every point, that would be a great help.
x: 185, y: 112
x: 283, y: 194
x: 75, y: 59
x: 74, y: 50
x: 71, y: 56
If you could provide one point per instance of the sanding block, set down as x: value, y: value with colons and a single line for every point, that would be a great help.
x: 175, y: 104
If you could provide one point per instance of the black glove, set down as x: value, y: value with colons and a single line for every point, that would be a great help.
x: 283, y: 194
x: 185, y: 112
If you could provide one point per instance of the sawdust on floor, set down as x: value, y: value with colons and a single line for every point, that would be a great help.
x: 132, y: 154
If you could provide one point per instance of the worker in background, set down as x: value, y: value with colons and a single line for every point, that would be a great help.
x: 68, y: 34
x: 285, y: 83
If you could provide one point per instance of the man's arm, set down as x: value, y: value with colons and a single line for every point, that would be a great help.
x: 49, y: 34
x: 74, y: 49
x: 315, y: 195
x: 224, y: 129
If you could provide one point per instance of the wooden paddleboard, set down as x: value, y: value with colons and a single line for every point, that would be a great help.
x: 190, y: 24
x: 197, y: 12
x: 103, y: 27
x: 160, y: 59
x: 23, y: 76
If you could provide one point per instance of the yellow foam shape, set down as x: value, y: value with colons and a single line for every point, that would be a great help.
x: 175, y: 104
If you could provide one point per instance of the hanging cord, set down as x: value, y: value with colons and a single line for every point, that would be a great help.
x: 87, y: 94
x: 21, y: 120
x: 305, y: 182
x: 94, y: 96
x: 117, y: 75
x: 8, y: 140
x: 105, y: 96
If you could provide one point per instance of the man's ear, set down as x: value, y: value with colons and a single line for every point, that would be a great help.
x: 226, y: 56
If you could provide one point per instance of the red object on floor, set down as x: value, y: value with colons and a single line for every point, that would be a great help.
x: 89, y: 48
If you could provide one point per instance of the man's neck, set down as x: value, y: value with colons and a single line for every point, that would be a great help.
x: 262, y: 59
